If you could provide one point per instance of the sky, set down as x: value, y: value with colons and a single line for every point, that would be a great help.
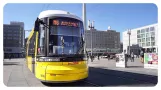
x: 119, y: 16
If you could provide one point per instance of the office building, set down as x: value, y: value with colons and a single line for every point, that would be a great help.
x: 102, y: 41
x: 13, y: 35
x: 22, y: 33
x: 143, y: 37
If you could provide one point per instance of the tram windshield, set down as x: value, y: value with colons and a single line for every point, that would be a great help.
x: 65, y: 36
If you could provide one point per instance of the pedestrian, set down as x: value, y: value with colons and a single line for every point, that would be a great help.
x: 108, y: 56
x: 91, y: 58
x: 87, y: 57
x: 137, y: 55
x: 132, y: 57
x: 98, y: 57
x: 9, y: 57
x: 142, y: 56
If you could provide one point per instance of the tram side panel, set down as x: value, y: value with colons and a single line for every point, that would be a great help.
x: 29, y: 60
x: 30, y: 51
x: 40, y: 67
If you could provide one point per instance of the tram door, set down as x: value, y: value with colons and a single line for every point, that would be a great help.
x: 31, y: 53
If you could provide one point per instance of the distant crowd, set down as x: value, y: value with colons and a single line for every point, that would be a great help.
x: 130, y: 56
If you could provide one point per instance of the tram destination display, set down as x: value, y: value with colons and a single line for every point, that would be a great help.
x: 65, y: 22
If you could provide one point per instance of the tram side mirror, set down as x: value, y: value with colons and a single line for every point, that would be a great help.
x: 37, y: 24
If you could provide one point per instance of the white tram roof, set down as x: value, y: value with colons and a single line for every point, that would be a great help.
x: 60, y: 13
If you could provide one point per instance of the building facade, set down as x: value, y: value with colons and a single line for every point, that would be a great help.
x: 121, y: 47
x: 13, y: 42
x: 22, y: 33
x: 143, y: 37
x: 102, y: 41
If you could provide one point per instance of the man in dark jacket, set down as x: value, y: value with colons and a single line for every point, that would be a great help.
x: 142, y: 55
x: 132, y: 57
x: 98, y: 57
x: 9, y: 57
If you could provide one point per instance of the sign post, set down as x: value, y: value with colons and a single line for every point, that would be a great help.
x: 121, y: 60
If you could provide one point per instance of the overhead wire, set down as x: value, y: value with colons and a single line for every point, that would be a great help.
x: 42, y: 8
x: 48, y: 6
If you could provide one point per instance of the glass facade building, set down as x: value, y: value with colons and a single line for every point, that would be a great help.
x: 13, y: 39
x: 145, y: 37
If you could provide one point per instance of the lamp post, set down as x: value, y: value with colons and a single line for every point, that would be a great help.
x: 91, y: 26
x: 129, y: 33
x: 84, y: 21
x: 151, y: 44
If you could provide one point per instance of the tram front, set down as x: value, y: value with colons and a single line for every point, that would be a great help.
x: 63, y: 46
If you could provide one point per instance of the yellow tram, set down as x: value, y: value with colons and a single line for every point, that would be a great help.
x: 55, y: 48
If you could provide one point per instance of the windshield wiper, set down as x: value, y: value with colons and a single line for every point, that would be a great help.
x: 82, y: 45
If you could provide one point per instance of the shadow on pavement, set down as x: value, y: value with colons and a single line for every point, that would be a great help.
x: 71, y: 84
x: 106, y: 77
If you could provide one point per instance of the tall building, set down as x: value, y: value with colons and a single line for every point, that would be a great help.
x: 102, y: 41
x: 143, y: 37
x: 121, y: 47
x: 13, y: 35
x: 22, y: 32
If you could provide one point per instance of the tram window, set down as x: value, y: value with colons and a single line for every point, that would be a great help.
x: 31, y: 51
x: 41, y: 40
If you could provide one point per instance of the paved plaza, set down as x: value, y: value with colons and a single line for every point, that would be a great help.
x: 18, y: 75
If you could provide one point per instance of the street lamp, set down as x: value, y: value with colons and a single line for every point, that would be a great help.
x: 152, y: 44
x: 91, y: 26
x: 129, y: 33
x: 84, y: 21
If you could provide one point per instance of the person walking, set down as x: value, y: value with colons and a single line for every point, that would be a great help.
x: 137, y: 55
x: 142, y: 56
x: 98, y: 57
x: 87, y: 57
x: 91, y: 56
x: 108, y: 56
x: 132, y: 57
x: 9, y: 57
